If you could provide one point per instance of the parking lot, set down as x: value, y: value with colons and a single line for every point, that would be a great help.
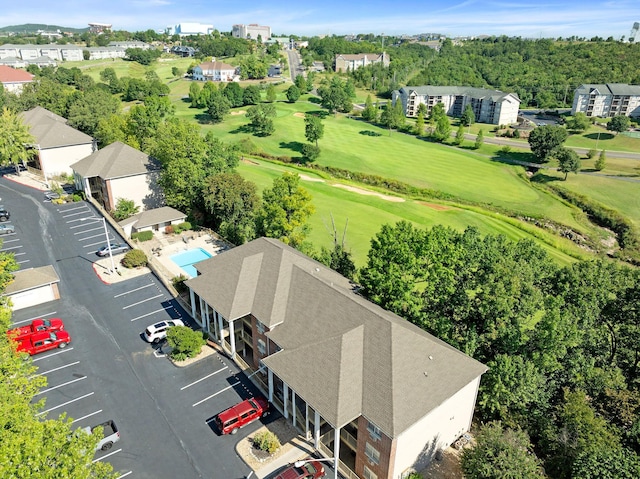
x: 164, y: 413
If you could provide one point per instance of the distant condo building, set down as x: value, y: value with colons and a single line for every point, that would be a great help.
x: 186, y: 29
x: 607, y: 100
x: 99, y: 27
x: 351, y: 62
x: 251, y: 31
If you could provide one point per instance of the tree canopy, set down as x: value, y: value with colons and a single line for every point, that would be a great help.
x: 544, y: 140
x: 14, y: 139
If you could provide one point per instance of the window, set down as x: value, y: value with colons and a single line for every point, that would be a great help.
x: 372, y: 453
x: 374, y: 431
x: 262, y: 347
x: 260, y: 327
x: 368, y: 473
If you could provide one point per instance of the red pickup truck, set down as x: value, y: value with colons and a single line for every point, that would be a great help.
x: 36, y: 326
x: 40, y: 342
x: 232, y: 419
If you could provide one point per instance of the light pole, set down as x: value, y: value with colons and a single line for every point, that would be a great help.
x: 334, y: 459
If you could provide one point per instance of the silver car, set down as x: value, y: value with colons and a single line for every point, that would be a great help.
x: 115, y: 249
x: 6, y: 229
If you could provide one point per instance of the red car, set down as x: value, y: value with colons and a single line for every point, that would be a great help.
x: 40, y: 342
x: 36, y: 326
x: 232, y: 419
x: 309, y: 470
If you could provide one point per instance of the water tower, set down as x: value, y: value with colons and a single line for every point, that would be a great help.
x: 634, y: 32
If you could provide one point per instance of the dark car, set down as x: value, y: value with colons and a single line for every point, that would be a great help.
x: 115, y: 249
x: 232, y: 419
x: 7, y: 229
x: 4, y: 214
x: 310, y: 469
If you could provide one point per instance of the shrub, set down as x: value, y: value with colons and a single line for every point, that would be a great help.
x: 185, y: 342
x: 142, y: 235
x: 266, y: 441
x: 169, y: 230
x: 179, y: 228
x: 135, y: 258
x: 591, y: 153
x: 178, y: 283
x: 76, y: 197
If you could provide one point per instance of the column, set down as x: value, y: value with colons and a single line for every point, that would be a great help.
x: 316, y: 430
x: 285, y: 390
x: 293, y: 408
x: 220, y: 328
x: 232, y: 340
x: 192, y: 300
x: 336, y: 451
x: 270, y: 379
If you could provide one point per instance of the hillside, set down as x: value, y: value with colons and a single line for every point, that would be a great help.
x: 35, y: 27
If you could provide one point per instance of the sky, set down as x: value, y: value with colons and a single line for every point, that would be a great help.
x: 524, y: 18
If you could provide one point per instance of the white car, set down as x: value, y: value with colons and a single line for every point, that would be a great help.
x: 157, y: 332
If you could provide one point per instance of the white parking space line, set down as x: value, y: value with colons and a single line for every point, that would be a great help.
x: 93, y: 236
x: 61, y: 385
x: 11, y: 248
x: 202, y: 379
x: 83, y: 208
x: 22, y: 262
x: 98, y: 243
x: 152, y: 313
x: 36, y: 317
x: 88, y: 415
x: 9, y: 241
x: 214, y: 395
x: 82, y: 212
x: 53, y: 354
x: 56, y: 369
x: 87, y: 231
x: 124, y: 475
x: 144, y: 301
x: 107, y: 455
x: 65, y: 403
x: 132, y: 290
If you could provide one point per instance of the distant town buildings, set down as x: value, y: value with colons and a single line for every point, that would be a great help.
x: 489, y: 106
x: 607, y: 100
x: 20, y: 56
x: 215, y: 71
x: 349, y: 63
x: 187, y: 29
x: 99, y: 27
x: 251, y: 31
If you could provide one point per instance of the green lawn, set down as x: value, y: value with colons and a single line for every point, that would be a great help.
x: 365, y: 214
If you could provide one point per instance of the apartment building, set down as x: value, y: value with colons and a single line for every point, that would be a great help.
x: 347, y: 62
x: 359, y: 382
x: 251, y: 31
x: 607, y: 100
x: 489, y: 106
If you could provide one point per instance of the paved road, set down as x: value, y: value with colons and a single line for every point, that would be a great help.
x: 108, y: 371
x: 295, y: 64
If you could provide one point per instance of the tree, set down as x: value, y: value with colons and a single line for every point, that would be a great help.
x: 177, y: 72
x: 194, y: 94
x: 607, y: 464
x: 14, y: 140
x: 261, y: 119
x: 619, y: 124
x: 251, y: 95
x: 301, y: 83
x: 500, y: 454
x: 601, y: 162
x: 310, y: 152
x: 334, y: 96
x: 468, y: 116
x: 125, y: 209
x: 568, y: 161
x: 271, y: 93
x: 479, y: 139
x: 370, y: 112
x: 217, y: 106
x: 419, y: 127
x: 313, y: 128
x: 86, y: 109
x: 233, y: 203
x: 579, y: 122
x: 459, y: 135
x: 293, y: 94
x: 252, y: 68
x: 543, y: 140
x: 443, y: 128
x: 234, y: 93
x: 286, y: 207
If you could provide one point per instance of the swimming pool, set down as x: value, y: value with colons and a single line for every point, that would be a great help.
x: 188, y: 258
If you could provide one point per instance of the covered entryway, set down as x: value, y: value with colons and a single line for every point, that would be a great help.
x: 33, y: 286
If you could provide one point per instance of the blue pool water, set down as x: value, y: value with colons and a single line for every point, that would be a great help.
x: 188, y: 258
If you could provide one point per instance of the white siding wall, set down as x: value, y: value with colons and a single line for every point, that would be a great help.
x: 57, y: 161
x: 133, y: 188
x: 442, y: 426
x: 507, y: 111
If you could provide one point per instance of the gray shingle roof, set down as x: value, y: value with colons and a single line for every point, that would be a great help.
x: 472, y: 92
x: 51, y: 130
x: 116, y: 160
x: 622, y: 89
x: 154, y: 216
x: 341, y: 353
x: 32, y: 278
